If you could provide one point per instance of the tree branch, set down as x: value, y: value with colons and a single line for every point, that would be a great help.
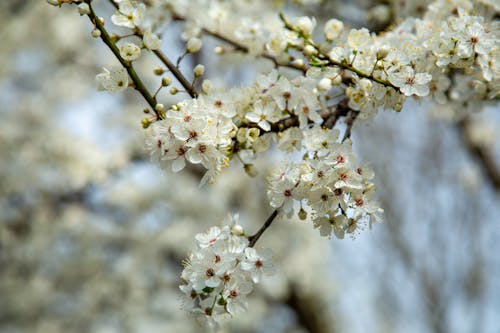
x: 190, y: 89
x: 482, y: 154
x: 254, y: 238
x: 242, y: 48
x: 138, y: 84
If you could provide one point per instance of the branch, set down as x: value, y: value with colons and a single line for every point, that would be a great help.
x: 349, y: 121
x: 481, y: 153
x: 240, y: 47
x: 254, y: 238
x: 190, y: 89
x: 327, y: 61
x: 310, y: 311
x: 138, y: 84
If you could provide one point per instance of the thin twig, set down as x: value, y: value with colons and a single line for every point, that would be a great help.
x: 254, y: 238
x: 481, y: 153
x: 326, y: 60
x: 190, y: 89
x: 349, y: 121
x: 242, y: 48
x: 138, y: 84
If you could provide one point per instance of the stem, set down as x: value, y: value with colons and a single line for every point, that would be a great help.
x: 349, y: 120
x: 164, y: 59
x: 253, y: 239
x: 240, y: 47
x: 177, y: 73
x: 138, y: 84
x: 483, y: 154
x: 323, y: 57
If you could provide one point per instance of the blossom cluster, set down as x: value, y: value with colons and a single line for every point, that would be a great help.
x: 195, y: 131
x: 337, y: 191
x: 222, y: 272
x: 241, y: 121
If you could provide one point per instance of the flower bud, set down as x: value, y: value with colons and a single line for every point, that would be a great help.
x: 159, y: 107
x: 145, y: 123
x: 219, y: 50
x: 309, y: 50
x: 166, y: 81
x: 194, y: 45
x: 173, y: 91
x: 302, y: 214
x: 337, y: 80
x: 382, y: 52
x: 199, y: 70
x: 306, y: 25
x: 96, y: 33
x: 237, y: 230
x: 83, y: 8
x: 158, y: 71
x: 251, y: 170
x: 298, y: 63
x: 324, y: 84
x: 54, y: 2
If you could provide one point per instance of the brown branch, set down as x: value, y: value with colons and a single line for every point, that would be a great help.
x: 190, y: 89
x: 254, y: 238
x: 349, y: 121
x: 138, y: 84
x: 310, y: 310
x: 242, y: 48
x: 482, y: 154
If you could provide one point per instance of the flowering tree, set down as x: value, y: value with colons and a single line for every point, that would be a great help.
x: 326, y: 78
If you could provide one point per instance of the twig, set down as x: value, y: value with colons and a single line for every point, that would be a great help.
x: 481, y: 153
x: 326, y: 60
x: 349, y: 121
x: 240, y: 47
x: 138, y: 84
x: 190, y: 89
x: 254, y: 238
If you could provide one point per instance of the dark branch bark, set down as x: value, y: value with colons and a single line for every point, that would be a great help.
x: 481, y: 153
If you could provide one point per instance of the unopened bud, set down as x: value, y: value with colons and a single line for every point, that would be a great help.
x: 199, y: 70
x: 298, y: 63
x: 302, y: 214
x: 101, y: 20
x: 159, y: 107
x: 336, y: 80
x: 306, y: 25
x: 173, y: 91
x: 250, y: 170
x: 83, y: 8
x: 145, y: 123
x: 237, y: 230
x: 54, y: 2
x: 158, y: 71
x: 382, y: 52
x: 166, y: 81
x: 96, y: 33
x: 219, y: 50
x: 324, y: 84
x: 309, y: 50
x: 194, y: 45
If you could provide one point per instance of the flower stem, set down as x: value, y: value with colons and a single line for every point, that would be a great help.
x: 138, y: 84
x: 254, y: 238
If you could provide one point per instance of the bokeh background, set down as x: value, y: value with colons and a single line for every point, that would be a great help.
x: 92, y: 234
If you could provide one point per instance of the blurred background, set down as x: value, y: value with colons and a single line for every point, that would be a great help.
x: 92, y: 234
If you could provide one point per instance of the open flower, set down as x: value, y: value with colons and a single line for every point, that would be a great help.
x: 411, y: 83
